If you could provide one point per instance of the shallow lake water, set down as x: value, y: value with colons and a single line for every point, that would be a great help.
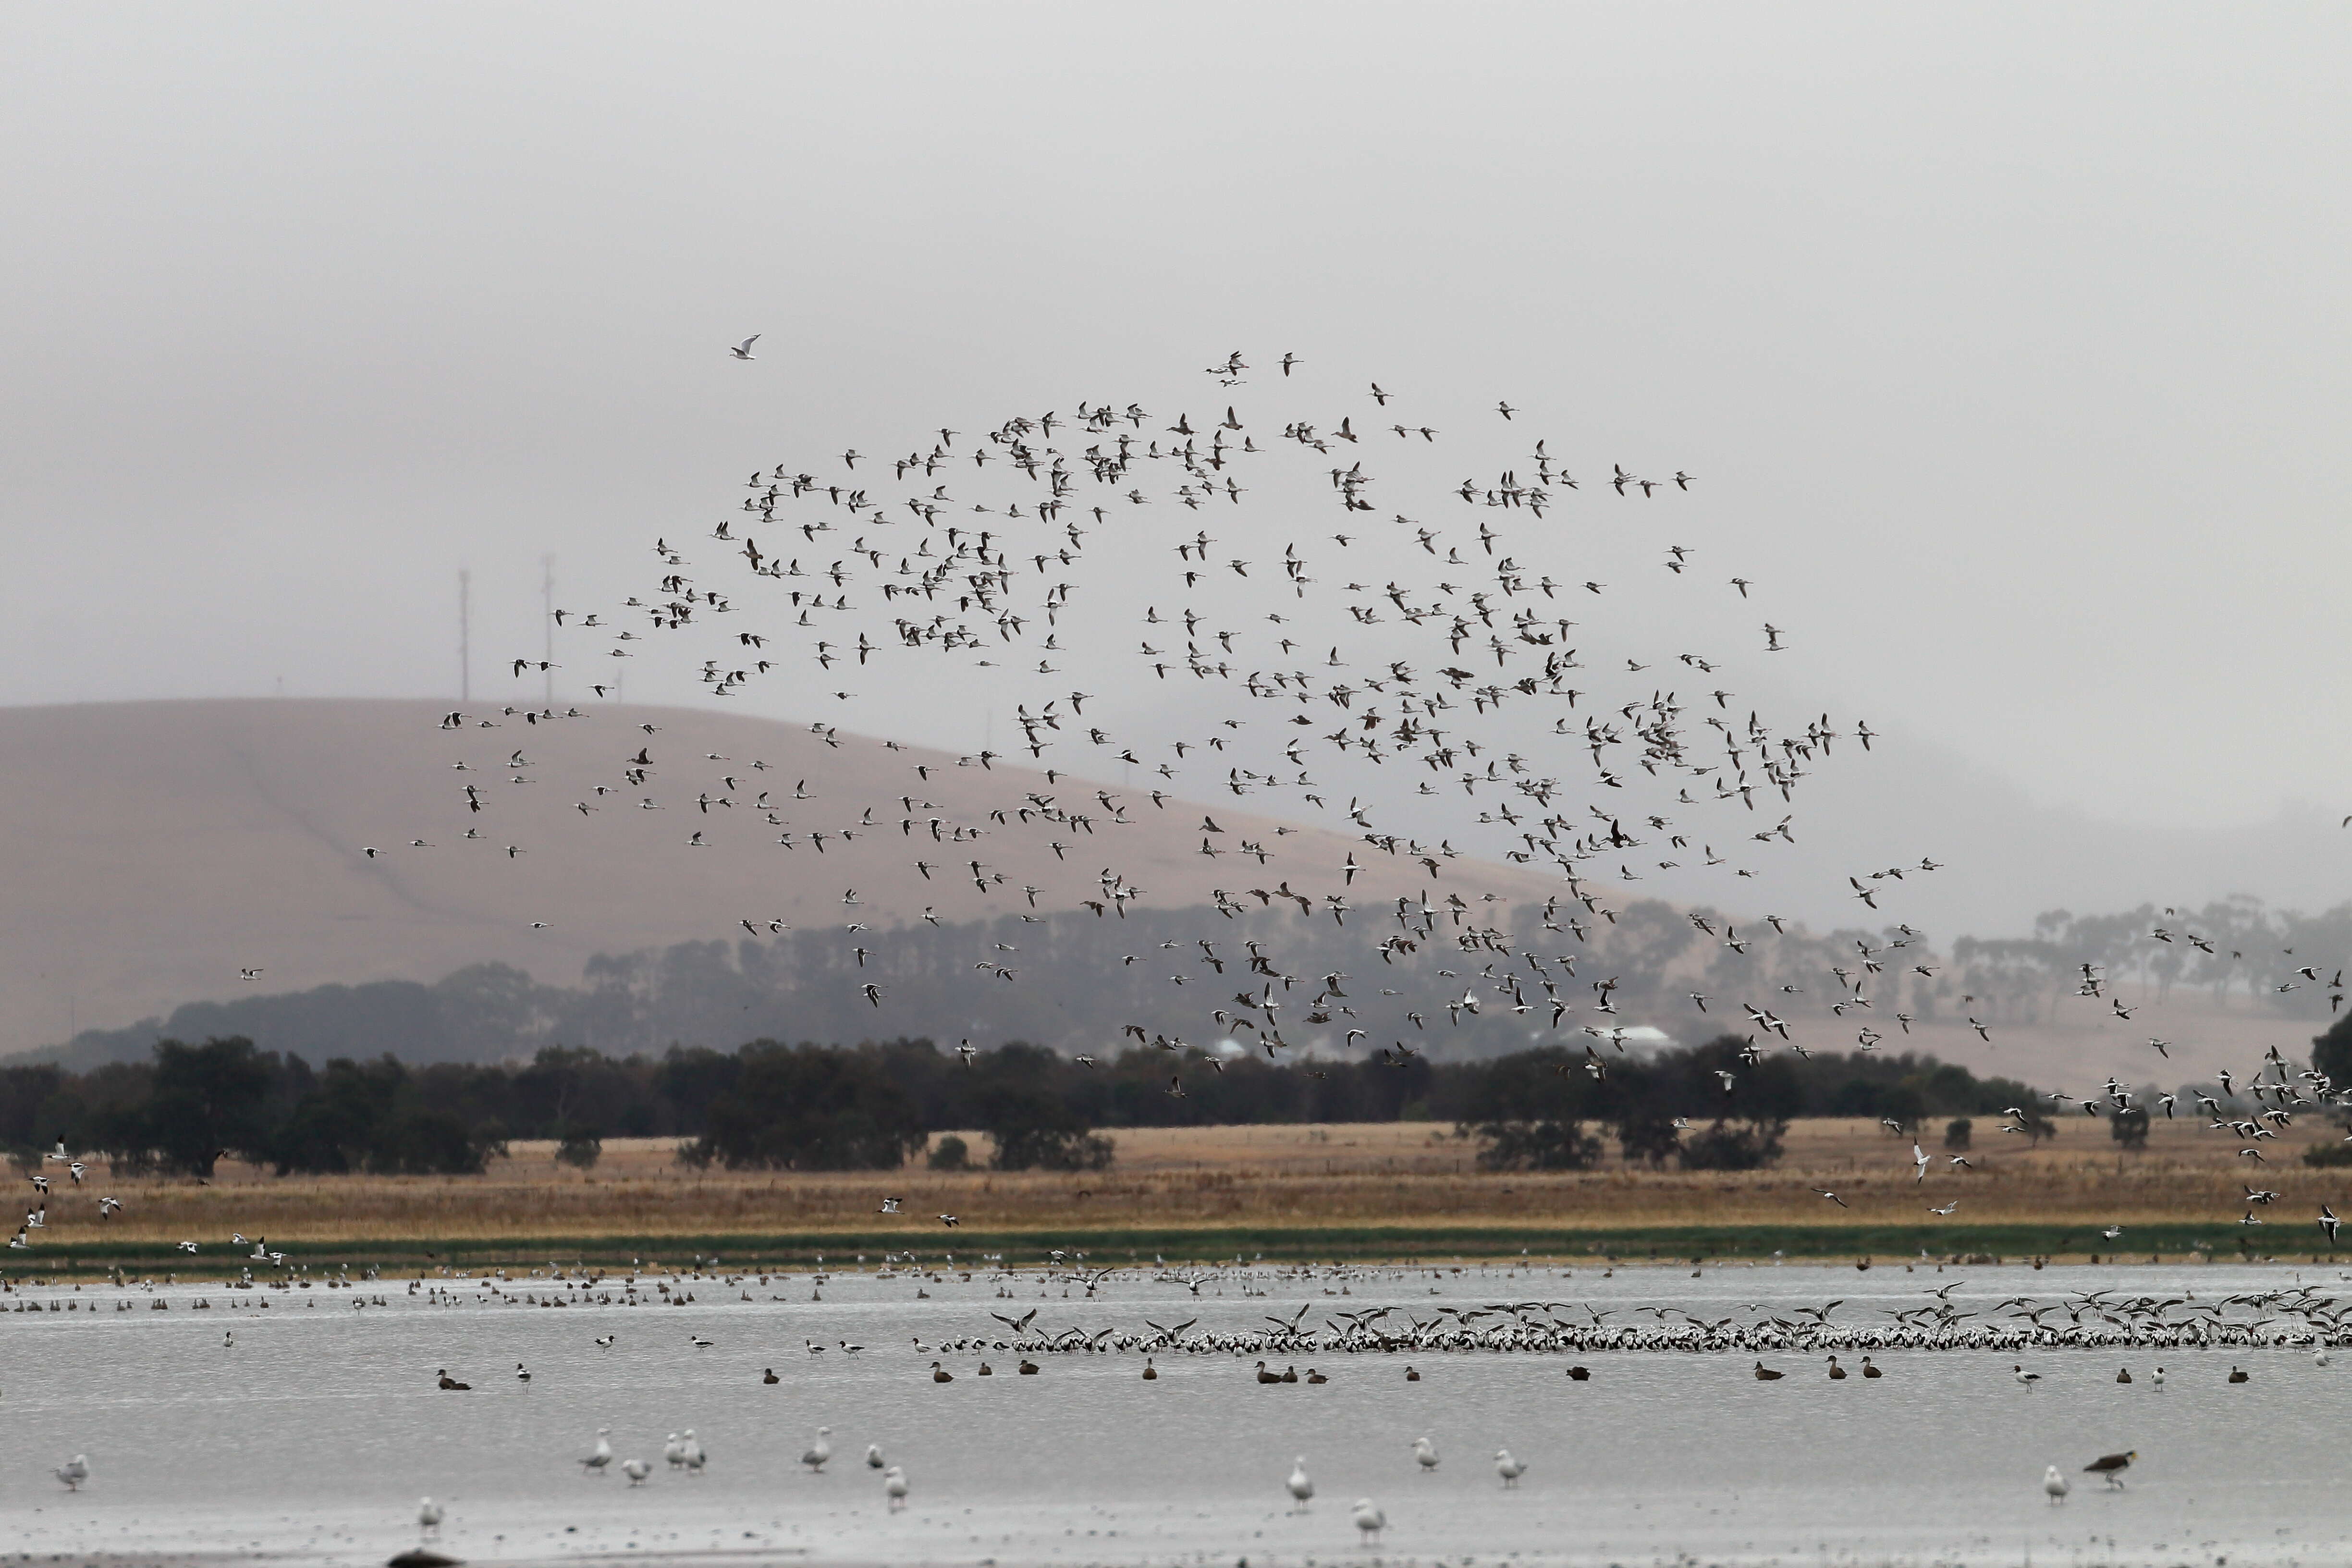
x: 312, y: 1438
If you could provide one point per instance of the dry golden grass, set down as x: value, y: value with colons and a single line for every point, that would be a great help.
x: 1261, y: 1177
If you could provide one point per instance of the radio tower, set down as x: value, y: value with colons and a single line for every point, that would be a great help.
x: 547, y: 613
x: 465, y: 636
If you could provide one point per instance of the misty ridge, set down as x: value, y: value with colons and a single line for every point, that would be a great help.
x: 1646, y: 976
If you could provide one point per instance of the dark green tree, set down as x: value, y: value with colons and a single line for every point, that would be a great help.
x: 809, y: 1109
x: 1649, y: 1136
x: 2331, y: 1053
x: 209, y: 1101
x: 1033, y: 1127
x: 1728, y: 1145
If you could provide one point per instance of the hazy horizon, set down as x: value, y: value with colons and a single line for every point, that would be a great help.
x: 2005, y: 344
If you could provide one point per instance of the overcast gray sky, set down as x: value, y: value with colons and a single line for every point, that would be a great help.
x: 2010, y: 341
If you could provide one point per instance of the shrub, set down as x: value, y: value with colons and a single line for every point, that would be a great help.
x: 579, y: 1147
x: 2324, y: 1155
x: 950, y: 1154
x: 2129, y: 1128
x: 1959, y: 1133
x: 1735, y: 1146
x: 1537, y: 1146
x: 1053, y: 1148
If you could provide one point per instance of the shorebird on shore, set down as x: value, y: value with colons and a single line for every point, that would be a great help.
x: 2112, y: 1467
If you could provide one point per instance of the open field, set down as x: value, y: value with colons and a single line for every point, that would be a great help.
x: 1360, y: 1190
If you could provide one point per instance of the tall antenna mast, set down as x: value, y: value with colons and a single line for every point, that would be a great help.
x: 465, y: 636
x: 547, y: 611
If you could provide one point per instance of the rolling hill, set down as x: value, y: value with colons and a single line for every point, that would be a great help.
x: 156, y: 850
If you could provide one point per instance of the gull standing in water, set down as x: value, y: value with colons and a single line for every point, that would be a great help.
x: 1370, y: 1520
x: 1425, y: 1451
x: 74, y: 1471
x: 1301, y: 1487
x: 1509, y: 1468
x: 819, y: 1451
x: 894, y: 1489
x: 637, y: 1470
x: 603, y: 1457
x: 2056, y: 1485
x: 428, y: 1518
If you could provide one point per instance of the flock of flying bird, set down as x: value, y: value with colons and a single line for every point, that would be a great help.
x: 1331, y: 669
x: 978, y: 551
x: 37, y: 1216
x: 1375, y: 644
x: 1395, y: 636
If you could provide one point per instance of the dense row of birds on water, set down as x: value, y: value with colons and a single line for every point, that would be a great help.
x: 1316, y: 1342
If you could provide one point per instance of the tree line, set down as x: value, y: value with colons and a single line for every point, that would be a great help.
x: 878, y: 1104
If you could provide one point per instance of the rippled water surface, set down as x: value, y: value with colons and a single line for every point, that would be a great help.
x: 312, y: 1438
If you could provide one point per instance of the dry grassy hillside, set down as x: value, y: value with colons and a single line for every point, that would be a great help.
x: 154, y: 850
